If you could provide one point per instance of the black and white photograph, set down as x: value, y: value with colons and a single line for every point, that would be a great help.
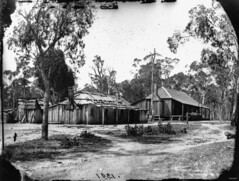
x: 116, y: 90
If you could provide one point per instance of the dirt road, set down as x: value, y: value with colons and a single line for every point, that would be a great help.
x: 126, y: 158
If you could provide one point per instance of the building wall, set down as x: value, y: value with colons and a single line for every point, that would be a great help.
x: 166, y: 108
x: 29, y: 115
x: 20, y: 114
x: 91, y: 114
x: 146, y: 104
x: 157, y: 107
x: 176, y: 108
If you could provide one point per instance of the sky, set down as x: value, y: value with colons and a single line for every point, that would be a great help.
x: 133, y: 31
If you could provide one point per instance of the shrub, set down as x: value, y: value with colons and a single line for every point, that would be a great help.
x: 85, y: 134
x: 76, y: 140
x: 168, y: 128
x: 148, y: 130
x: 134, y: 130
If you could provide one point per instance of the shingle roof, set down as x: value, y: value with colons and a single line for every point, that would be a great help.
x: 165, y: 93
x: 84, y: 97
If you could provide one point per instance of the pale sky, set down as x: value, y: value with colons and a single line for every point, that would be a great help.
x: 133, y: 31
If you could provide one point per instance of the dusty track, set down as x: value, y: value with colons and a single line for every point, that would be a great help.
x: 125, y: 159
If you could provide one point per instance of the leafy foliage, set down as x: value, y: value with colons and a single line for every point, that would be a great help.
x: 42, y: 31
x: 208, y: 24
x: 179, y: 81
x: 18, y: 88
x: 168, y: 128
x: 218, y: 63
x: 134, y: 130
x: 8, y: 7
x: 103, y: 78
x: 140, y: 85
x: 133, y: 90
x: 60, y: 75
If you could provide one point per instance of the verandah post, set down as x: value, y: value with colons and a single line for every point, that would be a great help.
x: 103, y: 115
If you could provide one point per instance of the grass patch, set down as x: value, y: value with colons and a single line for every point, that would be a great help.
x: 152, y: 135
x: 204, y: 161
x: 229, y: 127
x: 215, y: 131
x: 154, y: 130
x: 54, y: 146
x: 154, y: 139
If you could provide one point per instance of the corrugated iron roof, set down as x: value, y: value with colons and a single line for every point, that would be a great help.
x: 182, y: 97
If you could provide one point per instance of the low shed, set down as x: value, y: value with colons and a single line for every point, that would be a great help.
x: 30, y: 110
x: 9, y: 116
x: 95, y: 108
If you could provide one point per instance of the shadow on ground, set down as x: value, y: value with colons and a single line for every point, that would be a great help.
x: 56, y: 145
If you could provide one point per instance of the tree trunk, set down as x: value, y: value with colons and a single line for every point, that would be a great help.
x: 152, y: 87
x: 2, y: 122
x: 45, y: 106
x: 235, y: 97
x: 222, y: 105
x: 235, y: 164
x: 203, y: 97
x: 233, y: 117
x: 231, y: 8
x: 108, y: 87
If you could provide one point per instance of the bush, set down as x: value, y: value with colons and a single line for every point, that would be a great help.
x: 134, y: 130
x: 86, y: 134
x: 148, y: 129
x: 168, y: 128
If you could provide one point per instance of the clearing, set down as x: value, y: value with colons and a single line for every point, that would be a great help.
x: 202, y: 152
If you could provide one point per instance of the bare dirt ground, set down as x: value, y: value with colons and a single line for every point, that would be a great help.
x: 201, y: 153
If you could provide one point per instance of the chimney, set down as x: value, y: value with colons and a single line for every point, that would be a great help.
x: 155, y: 89
x: 70, y: 104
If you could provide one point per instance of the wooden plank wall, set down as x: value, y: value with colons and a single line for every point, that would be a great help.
x: 90, y: 114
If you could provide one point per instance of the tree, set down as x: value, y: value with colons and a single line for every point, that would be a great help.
x: 179, y: 81
x: 161, y: 68
x: 7, y: 7
x: 212, y: 100
x: 134, y: 89
x: 60, y: 75
x: 144, y: 76
x: 140, y: 86
x: 200, y: 80
x: 103, y: 78
x: 18, y: 88
x: 44, y: 29
x: 231, y: 7
x: 213, y: 27
x: 90, y: 88
x: 224, y: 74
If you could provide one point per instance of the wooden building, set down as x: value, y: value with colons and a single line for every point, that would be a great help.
x: 95, y: 108
x: 30, y: 110
x: 9, y: 116
x: 172, y: 104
